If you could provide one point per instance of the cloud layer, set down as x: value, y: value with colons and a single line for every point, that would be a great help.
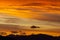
x: 42, y: 13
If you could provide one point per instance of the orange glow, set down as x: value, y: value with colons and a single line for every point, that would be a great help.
x: 32, y: 9
x: 30, y: 32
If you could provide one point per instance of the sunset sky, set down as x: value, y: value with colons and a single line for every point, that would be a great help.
x: 42, y: 13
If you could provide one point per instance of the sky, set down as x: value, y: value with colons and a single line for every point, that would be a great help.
x: 25, y: 13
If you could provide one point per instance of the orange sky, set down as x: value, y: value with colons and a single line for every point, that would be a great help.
x: 45, y: 10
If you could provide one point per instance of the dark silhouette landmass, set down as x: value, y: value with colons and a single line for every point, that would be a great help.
x: 31, y: 37
x: 34, y: 26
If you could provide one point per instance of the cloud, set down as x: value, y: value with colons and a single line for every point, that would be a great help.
x: 21, y: 14
x: 9, y: 27
x: 35, y: 13
x: 21, y: 8
x: 48, y: 17
x: 53, y: 17
x: 52, y: 8
x: 54, y: 0
x: 26, y: 23
x: 34, y: 4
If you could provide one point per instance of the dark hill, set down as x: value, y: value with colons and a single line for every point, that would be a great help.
x: 31, y: 37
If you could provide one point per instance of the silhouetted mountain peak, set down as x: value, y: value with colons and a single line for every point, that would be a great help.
x: 31, y: 37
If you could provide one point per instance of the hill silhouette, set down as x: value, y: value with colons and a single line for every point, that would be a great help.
x: 31, y: 37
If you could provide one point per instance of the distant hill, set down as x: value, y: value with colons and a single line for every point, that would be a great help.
x: 31, y: 37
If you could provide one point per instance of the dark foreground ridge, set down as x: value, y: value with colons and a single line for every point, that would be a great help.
x: 31, y: 37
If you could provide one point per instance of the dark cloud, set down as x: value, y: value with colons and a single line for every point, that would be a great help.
x: 21, y: 8
x: 49, y: 17
x: 53, y: 24
x: 34, y: 4
x: 32, y: 9
x: 12, y: 20
x: 52, y: 8
x: 43, y: 3
x: 52, y: 15
x: 9, y: 27
x: 54, y: 0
